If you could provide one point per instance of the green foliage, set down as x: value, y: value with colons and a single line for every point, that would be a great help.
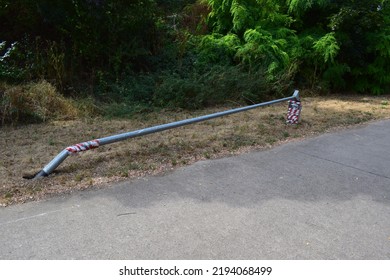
x: 334, y: 74
x: 10, y: 70
x: 299, y: 7
x: 238, y: 15
x: 190, y: 88
x: 362, y: 29
x: 195, y: 53
x: 218, y: 49
x: 262, y: 37
x: 262, y: 49
x: 133, y: 89
x: 353, y: 44
x: 327, y: 47
x: 217, y: 85
x: 79, y: 37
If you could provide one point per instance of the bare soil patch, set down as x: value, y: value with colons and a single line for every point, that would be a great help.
x: 26, y: 149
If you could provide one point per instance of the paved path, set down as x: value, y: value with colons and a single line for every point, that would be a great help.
x: 322, y: 198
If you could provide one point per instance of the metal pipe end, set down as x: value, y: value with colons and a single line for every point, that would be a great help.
x: 40, y: 174
x: 296, y: 95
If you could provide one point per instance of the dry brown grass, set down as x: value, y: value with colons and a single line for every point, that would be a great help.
x: 34, y: 102
x: 25, y: 150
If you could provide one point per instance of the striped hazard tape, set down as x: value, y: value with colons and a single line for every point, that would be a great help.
x: 83, y: 146
x: 294, y: 112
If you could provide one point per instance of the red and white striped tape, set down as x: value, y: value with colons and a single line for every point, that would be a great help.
x: 294, y: 112
x: 83, y: 146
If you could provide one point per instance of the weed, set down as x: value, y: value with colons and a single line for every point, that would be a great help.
x: 123, y: 173
x: 271, y: 140
x: 79, y: 177
x: 261, y: 128
x: 8, y: 195
x: 134, y: 166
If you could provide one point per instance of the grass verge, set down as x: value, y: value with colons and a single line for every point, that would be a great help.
x: 26, y: 149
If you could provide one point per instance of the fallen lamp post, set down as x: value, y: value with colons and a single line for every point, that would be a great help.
x: 293, y: 115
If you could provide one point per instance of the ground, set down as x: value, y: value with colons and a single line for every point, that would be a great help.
x: 26, y: 149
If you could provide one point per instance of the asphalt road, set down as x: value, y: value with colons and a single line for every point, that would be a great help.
x: 322, y: 198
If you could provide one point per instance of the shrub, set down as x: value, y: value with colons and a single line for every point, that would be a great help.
x: 217, y: 85
x: 34, y: 102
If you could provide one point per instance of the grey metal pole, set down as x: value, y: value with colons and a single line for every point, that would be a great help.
x: 51, y: 166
